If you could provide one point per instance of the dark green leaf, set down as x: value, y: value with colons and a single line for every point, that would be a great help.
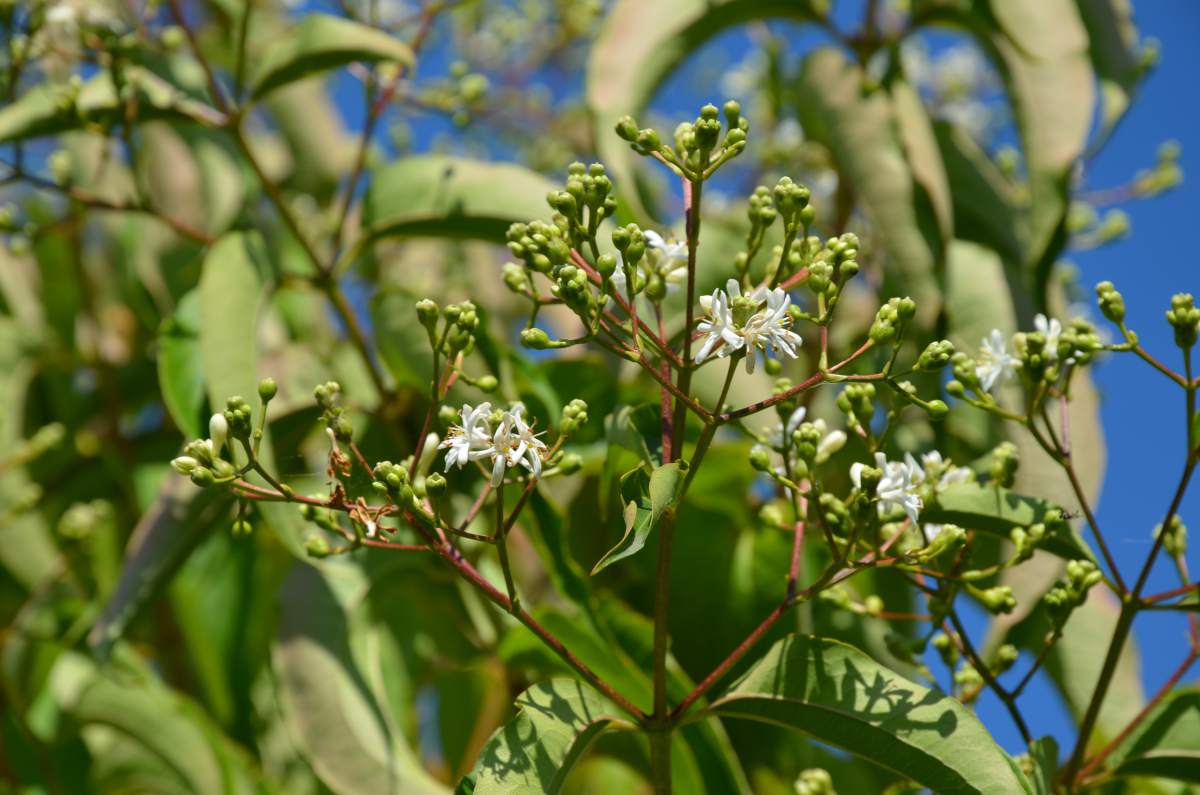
x: 180, y: 369
x: 322, y: 42
x: 440, y: 196
x: 166, y: 534
x: 840, y: 696
x: 646, y: 497
x: 400, y: 338
x: 997, y: 510
x: 984, y: 209
x: 1166, y: 743
x: 533, y: 753
x: 1043, y: 761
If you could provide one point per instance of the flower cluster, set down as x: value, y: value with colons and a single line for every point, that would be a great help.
x: 751, y: 324
x: 905, y: 484
x: 501, y: 436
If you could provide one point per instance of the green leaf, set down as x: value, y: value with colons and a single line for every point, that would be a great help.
x: 164, y: 536
x: 1043, y: 761
x: 329, y: 703
x: 1112, y: 44
x: 842, y: 697
x: 180, y: 368
x: 646, y: 497
x: 440, y: 196
x: 859, y: 129
x: 997, y: 510
x: 984, y: 209
x: 320, y: 43
x: 131, y: 702
x: 47, y: 109
x: 924, y: 159
x: 638, y: 48
x: 556, y: 721
x: 1166, y: 744
x: 400, y: 338
x: 1043, y: 54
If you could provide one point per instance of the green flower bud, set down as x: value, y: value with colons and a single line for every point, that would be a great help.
x: 936, y: 409
x: 997, y: 600
x: 873, y: 606
x: 606, y: 264
x: 760, y: 458
x: 946, y: 649
x: 487, y: 383
x: 435, y: 485
x: 1005, y: 657
x: 317, y: 547
x: 1184, y: 317
x: 627, y: 129
x: 203, y: 477
x: 935, y: 356
x: 570, y: 463
x: 267, y: 390
x: 241, y: 528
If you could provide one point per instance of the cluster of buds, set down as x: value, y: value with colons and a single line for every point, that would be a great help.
x: 333, y: 414
x: 997, y: 600
x: 699, y: 146
x: 1112, y: 304
x: 1068, y: 594
x: 457, y: 334
x: 392, y: 480
x: 890, y: 319
x: 829, y: 267
x: 1184, y: 317
x: 586, y: 200
x: 201, y: 459
x: 1174, y: 536
x: 936, y: 355
x: 815, y: 781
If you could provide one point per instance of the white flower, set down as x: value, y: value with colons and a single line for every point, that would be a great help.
x: 511, y: 443
x: 1052, y: 330
x: 831, y: 442
x: 218, y: 432
x: 670, y: 250
x: 995, y: 361
x: 471, y: 440
x: 768, y: 328
x: 899, y: 486
x: 184, y: 464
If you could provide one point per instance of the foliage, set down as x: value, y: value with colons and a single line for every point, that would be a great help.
x: 620, y: 507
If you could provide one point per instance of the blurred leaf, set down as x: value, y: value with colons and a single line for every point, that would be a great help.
x: 998, y: 510
x: 984, y: 210
x: 1166, y: 743
x: 556, y: 722
x: 332, y: 712
x: 131, y: 702
x: 46, y: 109
x: 859, y: 129
x: 646, y: 497
x: 321, y: 42
x: 180, y: 367
x: 924, y: 159
x: 1112, y: 43
x: 400, y: 338
x: 1043, y: 51
x: 842, y: 697
x: 1043, y: 759
x: 164, y: 536
x: 320, y: 147
x: 440, y: 196
x: 638, y: 47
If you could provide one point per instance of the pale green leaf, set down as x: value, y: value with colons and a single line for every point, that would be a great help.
x: 859, y: 129
x: 322, y: 42
x: 333, y: 710
x: 555, y: 724
x: 924, y: 159
x: 984, y: 208
x: 1166, y: 743
x: 997, y: 510
x: 440, y: 196
x: 840, y: 696
x: 1112, y: 44
x: 180, y: 369
x: 646, y: 497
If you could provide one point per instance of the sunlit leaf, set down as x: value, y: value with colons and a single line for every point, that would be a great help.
x: 646, y: 497
x: 839, y: 696
x: 440, y: 196
x: 1112, y: 43
x: 321, y: 42
x: 1166, y: 743
x: 997, y: 510
x: 556, y: 722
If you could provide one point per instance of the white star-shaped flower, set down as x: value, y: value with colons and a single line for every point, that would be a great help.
x: 767, y: 329
x: 1052, y: 330
x: 899, y: 486
x: 995, y: 362
x: 667, y: 249
x: 470, y: 441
